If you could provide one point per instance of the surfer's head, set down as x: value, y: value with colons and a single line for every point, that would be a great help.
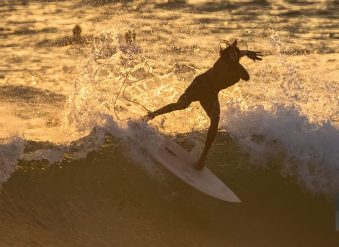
x: 231, y: 52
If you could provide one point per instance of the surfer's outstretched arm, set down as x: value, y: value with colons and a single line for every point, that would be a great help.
x: 254, y: 55
x: 212, y: 109
x: 182, y: 103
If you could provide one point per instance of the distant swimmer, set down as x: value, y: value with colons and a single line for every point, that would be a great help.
x: 205, y: 88
x: 75, y: 39
x: 129, y: 46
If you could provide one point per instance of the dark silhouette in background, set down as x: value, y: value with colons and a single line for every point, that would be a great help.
x: 75, y: 39
x: 130, y: 37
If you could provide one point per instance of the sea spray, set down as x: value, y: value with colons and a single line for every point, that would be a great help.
x: 310, y: 151
x: 10, y: 151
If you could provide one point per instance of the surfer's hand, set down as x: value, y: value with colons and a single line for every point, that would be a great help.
x: 254, y: 55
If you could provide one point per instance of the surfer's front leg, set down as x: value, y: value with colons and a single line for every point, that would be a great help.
x: 212, y: 131
x: 213, y: 111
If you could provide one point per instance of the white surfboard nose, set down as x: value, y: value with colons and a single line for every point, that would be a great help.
x: 230, y: 197
x: 214, y: 187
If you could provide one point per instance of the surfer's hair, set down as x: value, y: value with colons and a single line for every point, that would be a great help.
x: 231, y: 51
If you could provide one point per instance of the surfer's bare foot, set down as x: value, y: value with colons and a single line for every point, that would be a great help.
x: 144, y: 118
x: 148, y: 117
x: 200, y: 164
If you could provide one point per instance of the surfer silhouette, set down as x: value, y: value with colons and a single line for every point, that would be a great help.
x: 205, y: 88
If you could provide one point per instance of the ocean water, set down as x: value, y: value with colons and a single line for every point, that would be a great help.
x: 72, y: 171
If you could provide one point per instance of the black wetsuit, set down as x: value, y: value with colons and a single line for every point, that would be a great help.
x: 207, y: 85
x: 205, y: 89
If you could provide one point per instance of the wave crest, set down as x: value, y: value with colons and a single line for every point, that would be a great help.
x: 310, y: 150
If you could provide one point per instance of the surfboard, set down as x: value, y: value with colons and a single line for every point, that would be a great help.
x: 181, y: 164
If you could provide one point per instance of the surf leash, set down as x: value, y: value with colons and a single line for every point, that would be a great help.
x: 126, y: 84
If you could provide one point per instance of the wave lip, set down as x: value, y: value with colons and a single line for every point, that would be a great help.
x: 310, y: 150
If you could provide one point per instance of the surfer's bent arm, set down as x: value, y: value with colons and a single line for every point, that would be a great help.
x: 254, y: 55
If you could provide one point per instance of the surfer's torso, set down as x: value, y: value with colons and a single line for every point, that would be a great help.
x: 222, y: 75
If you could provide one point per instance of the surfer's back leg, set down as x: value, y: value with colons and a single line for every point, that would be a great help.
x: 183, y: 102
x: 212, y: 108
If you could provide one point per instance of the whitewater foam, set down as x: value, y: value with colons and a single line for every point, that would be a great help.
x: 10, y: 151
x: 311, y: 151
